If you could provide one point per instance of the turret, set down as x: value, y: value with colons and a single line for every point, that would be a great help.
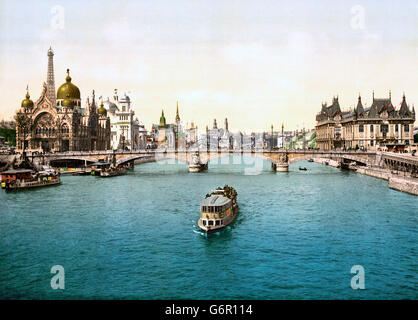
x: 27, y: 103
x: 102, y: 110
x: 162, y: 119
x: 215, y: 126
x: 177, y: 113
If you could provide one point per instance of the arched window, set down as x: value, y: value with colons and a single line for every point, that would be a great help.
x: 64, y: 128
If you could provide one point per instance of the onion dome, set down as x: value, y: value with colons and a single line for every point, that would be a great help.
x: 102, y: 110
x: 162, y: 119
x: 67, y: 102
x: 68, y: 89
x: 27, y: 103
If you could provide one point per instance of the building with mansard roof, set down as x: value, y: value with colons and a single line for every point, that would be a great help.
x: 380, y: 126
x: 59, y: 122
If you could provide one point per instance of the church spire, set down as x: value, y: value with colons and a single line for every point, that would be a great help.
x: 177, y: 113
x: 50, y: 78
x: 162, y: 119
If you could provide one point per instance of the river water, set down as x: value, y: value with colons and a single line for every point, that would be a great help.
x: 297, y: 236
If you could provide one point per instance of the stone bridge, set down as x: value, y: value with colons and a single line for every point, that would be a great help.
x: 279, y: 158
x: 399, y: 162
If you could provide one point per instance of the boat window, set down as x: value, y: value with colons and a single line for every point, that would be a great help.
x: 211, y: 222
x: 204, y: 222
x: 217, y: 222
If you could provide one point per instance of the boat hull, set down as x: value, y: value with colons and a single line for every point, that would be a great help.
x: 32, y: 185
x: 108, y: 174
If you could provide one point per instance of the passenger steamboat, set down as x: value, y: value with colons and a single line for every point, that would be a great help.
x: 28, y: 178
x: 218, y: 210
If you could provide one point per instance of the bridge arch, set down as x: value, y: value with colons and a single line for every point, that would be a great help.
x: 135, y: 157
x: 71, y: 161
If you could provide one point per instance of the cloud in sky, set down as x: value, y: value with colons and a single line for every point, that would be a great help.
x: 255, y: 62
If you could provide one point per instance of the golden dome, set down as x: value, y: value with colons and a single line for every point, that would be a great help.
x: 102, y: 110
x: 67, y: 102
x: 27, y: 103
x: 68, y: 90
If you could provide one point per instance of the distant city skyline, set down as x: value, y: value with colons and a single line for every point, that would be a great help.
x: 256, y: 63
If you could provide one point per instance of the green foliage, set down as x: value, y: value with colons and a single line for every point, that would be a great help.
x: 9, y: 134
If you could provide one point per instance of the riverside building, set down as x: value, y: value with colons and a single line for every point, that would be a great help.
x: 381, y: 126
x: 59, y: 122
x: 126, y: 130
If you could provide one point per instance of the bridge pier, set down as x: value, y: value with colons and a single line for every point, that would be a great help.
x: 195, y: 165
x: 282, y: 165
x: 198, y: 168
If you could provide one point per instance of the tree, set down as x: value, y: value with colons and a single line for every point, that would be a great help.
x: 24, y: 127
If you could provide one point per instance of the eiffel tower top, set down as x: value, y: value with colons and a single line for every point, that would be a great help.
x: 50, y: 78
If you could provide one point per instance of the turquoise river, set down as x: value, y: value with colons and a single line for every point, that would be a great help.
x: 297, y: 236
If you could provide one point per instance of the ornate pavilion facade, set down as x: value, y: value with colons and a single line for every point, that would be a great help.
x: 58, y: 122
x: 380, y: 126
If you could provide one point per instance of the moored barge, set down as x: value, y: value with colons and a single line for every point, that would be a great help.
x: 218, y: 210
x: 27, y: 179
x: 112, y: 172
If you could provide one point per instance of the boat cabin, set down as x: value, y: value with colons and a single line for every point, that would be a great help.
x: 99, y: 166
x: 13, y: 175
x: 215, y: 209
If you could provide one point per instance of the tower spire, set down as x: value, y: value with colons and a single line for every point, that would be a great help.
x: 50, y: 78
x: 177, y: 113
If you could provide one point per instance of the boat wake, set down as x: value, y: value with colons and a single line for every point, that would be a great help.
x: 203, y: 234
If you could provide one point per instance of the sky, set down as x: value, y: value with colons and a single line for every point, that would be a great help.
x: 258, y: 63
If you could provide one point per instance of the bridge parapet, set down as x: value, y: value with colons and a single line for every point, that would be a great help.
x: 400, y: 162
